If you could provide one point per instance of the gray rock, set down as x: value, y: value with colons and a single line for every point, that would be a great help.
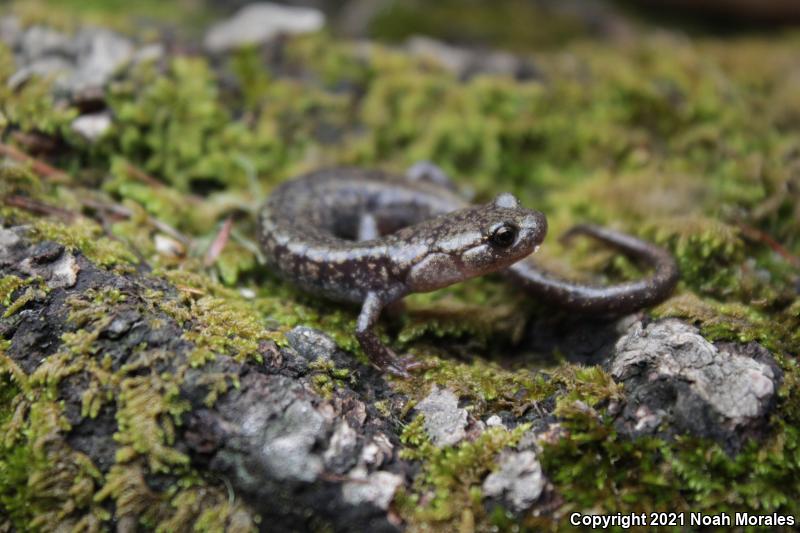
x: 57, y: 68
x: 80, y: 64
x: 267, y: 437
x: 376, y: 452
x: 677, y: 381
x: 149, y: 52
x: 40, y: 41
x: 10, y: 241
x: 279, y: 431
x: 445, y: 422
x: 377, y: 488
x: 259, y: 23
x: 494, y: 421
x: 310, y: 343
x: 518, y: 481
x: 63, y: 272
x: 59, y: 272
x: 466, y: 63
x: 10, y: 31
x: 92, y: 126
x: 341, y: 448
x: 288, y: 442
x: 100, y: 54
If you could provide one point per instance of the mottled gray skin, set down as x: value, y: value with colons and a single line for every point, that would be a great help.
x: 372, y: 238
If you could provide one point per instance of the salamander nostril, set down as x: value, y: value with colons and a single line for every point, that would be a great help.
x: 503, y: 236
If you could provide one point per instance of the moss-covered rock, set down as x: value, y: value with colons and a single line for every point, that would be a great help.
x: 148, y: 378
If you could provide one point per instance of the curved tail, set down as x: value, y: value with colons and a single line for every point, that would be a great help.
x: 613, y: 299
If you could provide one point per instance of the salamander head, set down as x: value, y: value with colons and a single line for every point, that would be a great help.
x: 473, y: 242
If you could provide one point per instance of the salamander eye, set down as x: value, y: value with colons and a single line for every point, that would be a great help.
x: 503, y: 235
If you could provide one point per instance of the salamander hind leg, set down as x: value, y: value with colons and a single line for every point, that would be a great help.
x: 379, y: 354
x: 367, y: 227
x: 431, y: 173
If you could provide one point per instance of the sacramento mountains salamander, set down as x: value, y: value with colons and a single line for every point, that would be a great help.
x: 371, y: 238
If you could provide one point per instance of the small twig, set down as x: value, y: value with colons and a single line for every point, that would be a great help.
x: 141, y: 175
x: 757, y: 235
x: 337, y: 478
x: 190, y: 290
x: 41, y: 168
x: 34, y: 141
x: 124, y: 212
x: 219, y: 243
x: 40, y: 208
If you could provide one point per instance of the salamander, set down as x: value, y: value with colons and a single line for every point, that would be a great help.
x: 371, y: 238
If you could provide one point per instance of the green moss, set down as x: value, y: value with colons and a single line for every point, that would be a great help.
x: 25, y: 298
x: 487, y: 386
x: 35, y: 289
x: 18, y: 180
x: 87, y: 237
x: 708, y: 252
x: 592, y: 467
x: 9, y: 284
x: 480, y: 310
x: 590, y: 386
x: 45, y: 482
x: 42, y: 480
x: 326, y: 377
x: 223, y: 320
x: 170, y: 205
x: 506, y: 24
x: 210, y: 510
x: 285, y: 307
x: 734, y: 321
x: 596, y: 468
x: 149, y: 407
x: 450, y: 482
x: 30, y: 107
x: 68, y: 15
x: 190, y: 503
x: 179, y: 130
x: 333, y: 64
x: 175, y: 124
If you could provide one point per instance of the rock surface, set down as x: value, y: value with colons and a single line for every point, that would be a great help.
x: 79, y: 64
x: 259, y: 23
x: 518, y: 480
x: 311, y: 343
x: 676, y: 381
x: 445, y: 422
x: 279, y: 443
x: 466, y: 63
x: 92, y: 126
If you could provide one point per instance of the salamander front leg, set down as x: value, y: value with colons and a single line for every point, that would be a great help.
x: 379, y: 354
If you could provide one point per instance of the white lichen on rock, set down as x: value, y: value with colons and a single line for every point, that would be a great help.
x: 445, y: 422
x: 736, y: 387
x: 259, y: 23
x: 518, y: 481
